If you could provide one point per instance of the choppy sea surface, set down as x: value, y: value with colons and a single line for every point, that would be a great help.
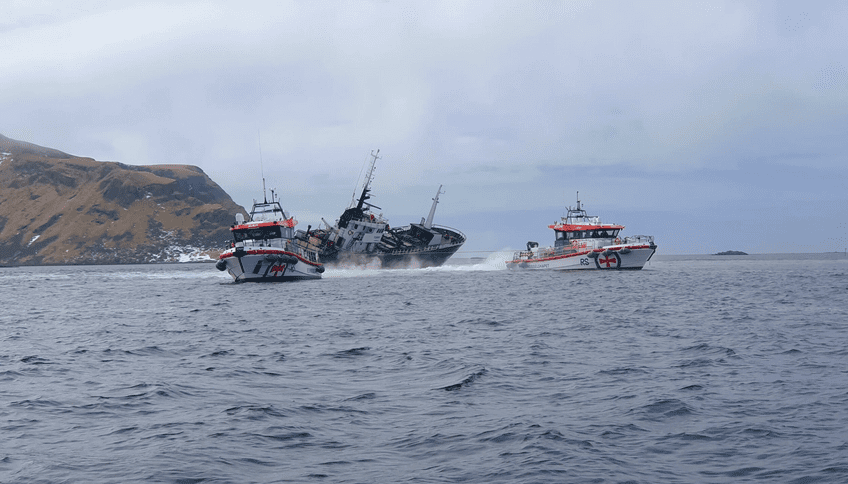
x: 695, y: 369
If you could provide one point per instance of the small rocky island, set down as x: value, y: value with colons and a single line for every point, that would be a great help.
x: 731, y: 252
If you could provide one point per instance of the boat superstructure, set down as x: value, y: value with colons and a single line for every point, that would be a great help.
x: 364, y: 238
x: 264, y: 249
x: 583, y: 242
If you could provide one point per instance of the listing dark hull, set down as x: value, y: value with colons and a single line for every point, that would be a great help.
x: 413, y: 258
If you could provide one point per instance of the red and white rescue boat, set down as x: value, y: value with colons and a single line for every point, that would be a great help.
x: 264, y: 248
x: 583, y: 242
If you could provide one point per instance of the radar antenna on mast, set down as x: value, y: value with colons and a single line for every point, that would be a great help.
x: 261, y: 168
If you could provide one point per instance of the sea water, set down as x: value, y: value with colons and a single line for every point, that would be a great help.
x: 695, y: 369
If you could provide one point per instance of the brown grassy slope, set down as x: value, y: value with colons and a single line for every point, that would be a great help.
x: 56, y: 208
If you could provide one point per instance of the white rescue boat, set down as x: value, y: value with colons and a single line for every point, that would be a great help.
x: 264, y: 250
x: 583, y: 242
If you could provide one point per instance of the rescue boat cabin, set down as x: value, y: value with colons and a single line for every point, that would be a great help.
x: 269, y: 226
x: 578, y: 225
x: 565, y: 234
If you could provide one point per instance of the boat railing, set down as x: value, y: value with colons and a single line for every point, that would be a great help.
x: 451, y: 229
x: 287, y: 245
x: 310, y: 255
x: 428, y: 248
x: 639, y: 239
x: 543, y: 253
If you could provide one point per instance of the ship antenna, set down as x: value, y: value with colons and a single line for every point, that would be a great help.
x: 578, y: 200
x: 261, y: 168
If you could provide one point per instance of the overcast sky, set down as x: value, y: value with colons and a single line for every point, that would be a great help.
x: 711, y: 125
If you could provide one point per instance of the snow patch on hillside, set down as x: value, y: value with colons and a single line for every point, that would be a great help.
x: 183, y: 253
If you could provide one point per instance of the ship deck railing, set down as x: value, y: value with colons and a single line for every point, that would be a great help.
x: 565, y: 250
x: 309, y: 255
x: 289, y: 246
x: 543, y: 253
x: 639, y: 239
x: 428, y: 248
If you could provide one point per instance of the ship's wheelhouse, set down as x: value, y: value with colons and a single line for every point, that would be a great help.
x: 599, y: 233
x: 262, y: 233
x: 564, y: 237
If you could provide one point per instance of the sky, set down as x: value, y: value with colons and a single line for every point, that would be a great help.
x: 711, y: 125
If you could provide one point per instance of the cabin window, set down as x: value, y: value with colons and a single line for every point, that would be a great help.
x: 560, y: 235
x: 257, y: 233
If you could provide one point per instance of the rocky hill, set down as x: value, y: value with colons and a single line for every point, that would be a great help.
x: 57, y: 208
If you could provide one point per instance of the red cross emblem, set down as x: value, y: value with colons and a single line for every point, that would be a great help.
x: 610, y: 261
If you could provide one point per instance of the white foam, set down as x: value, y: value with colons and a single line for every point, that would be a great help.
x: 170, y: 274
x: 494, y: 262
x: 194, y: 257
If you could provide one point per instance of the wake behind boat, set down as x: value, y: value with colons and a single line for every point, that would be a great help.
x: 583, y: 242
x: 264, y: 248
x: 362, y: 237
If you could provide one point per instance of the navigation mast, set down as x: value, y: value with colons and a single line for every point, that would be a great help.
x: 369, y: 177
x: 429, y: 222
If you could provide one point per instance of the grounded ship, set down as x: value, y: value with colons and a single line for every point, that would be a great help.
x: 264, y: 249
x: 363, y: 238
x: 582, y: 242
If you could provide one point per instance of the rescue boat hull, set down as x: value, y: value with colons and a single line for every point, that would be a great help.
x: 624, y: 257
x: 268, y: 265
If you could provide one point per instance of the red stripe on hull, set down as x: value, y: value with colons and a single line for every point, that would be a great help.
x: 228, y: 254
x: 576, y: 254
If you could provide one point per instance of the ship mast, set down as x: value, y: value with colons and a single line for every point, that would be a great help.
x: 369, y: 177
x: 262, y: 169
x: 575, y: 213
x: 429, y: 222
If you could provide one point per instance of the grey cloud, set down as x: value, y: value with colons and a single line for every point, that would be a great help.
x: 504, y: 102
